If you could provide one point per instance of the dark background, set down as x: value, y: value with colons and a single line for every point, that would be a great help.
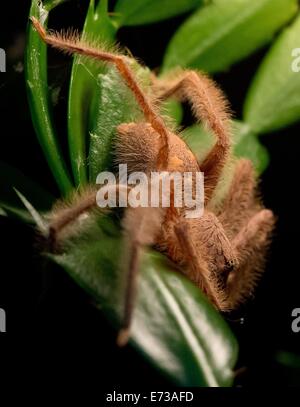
x: 49, y: 319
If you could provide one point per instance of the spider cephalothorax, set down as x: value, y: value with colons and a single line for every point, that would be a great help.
x: 222, y: 251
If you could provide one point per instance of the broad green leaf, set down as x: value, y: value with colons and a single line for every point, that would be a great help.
x: 38, y: 96
x: 173, y: 109
x: 199, y: 140
x: 246, y: 144
x: 11, y: 179
x: 224, y: 32
x: 115, y: 105
x: 273, y: 100
x: 135, y: 12
x: 174, y: 326
x: 83, y: 86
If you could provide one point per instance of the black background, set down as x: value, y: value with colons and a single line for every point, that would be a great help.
x: 50, y: 319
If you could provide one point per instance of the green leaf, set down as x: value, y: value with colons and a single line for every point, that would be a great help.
x: 172, y: 109
x: 174, y: 326
x: 38, y: 96
x: 224, y: 32
x: 115, y: 105
x: 199, y: 140
x: 273, y: 100
x: 246, y: 144
x: 135, y: 12
x: 51, y: 4
x: 11, y: 179
x: 83, y: 86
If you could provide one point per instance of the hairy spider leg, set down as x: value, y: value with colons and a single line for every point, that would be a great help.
x: 250, y: 245
x: 140, y: 225
x: 72, y: 45
x: 241, y: 201
x: 209, y: 106
x: 64, y: 215
x: 141, y: 228
x: 199, y: 271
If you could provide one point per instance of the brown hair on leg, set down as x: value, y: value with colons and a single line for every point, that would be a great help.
x: 141, y: 227
x: 250, y: 244
x: 71, y: 43
x: 241, y: 201
x: 64, y: 213
x: 198, y: 269
x: 210, y: 106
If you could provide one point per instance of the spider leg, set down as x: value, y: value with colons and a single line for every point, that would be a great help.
x: 240, y: 203
x: 250, y: 245
x: 199, y: 271
x: 210, y: 106
x: 73, y: 45
x: 130, y: 292
x: 61, y: 217
x: 65, y: 215
x: 141, y: 227
x: 227, y: 271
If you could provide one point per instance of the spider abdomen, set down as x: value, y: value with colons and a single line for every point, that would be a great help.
x: 138, y: 144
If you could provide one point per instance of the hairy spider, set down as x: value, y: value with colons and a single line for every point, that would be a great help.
x: 222, y: 251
